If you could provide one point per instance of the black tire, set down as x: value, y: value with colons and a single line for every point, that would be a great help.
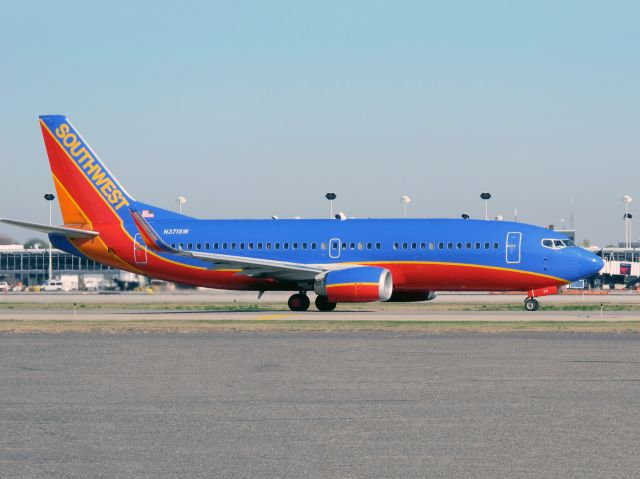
x: 299, y: 302
x: 531, y: 304
x: 323, y: 304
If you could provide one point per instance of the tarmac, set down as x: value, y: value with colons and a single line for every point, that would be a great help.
x: 319, y: 405
x: 345, y: 315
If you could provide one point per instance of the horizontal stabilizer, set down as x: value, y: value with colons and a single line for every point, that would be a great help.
x: 59, y: 230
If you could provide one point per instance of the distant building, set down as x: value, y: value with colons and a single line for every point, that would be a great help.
x: 621, y: 268
x: 31, y: 266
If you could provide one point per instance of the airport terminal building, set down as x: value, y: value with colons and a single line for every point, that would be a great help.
x: 30, y: 267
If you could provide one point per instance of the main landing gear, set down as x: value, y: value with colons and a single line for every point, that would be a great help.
x: 531, y: 304
x: 301, y: 302
x: 323, y: 304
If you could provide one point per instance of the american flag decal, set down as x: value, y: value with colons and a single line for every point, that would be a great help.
x: 148, y: 214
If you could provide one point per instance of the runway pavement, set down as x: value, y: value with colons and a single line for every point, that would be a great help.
x: 319, y: 405
x: 343, y: 315
x: 217, y: 296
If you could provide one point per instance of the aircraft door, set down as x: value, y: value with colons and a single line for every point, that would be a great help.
x: 513, y: 244
x: 139, y: 250
x: 334, y: 247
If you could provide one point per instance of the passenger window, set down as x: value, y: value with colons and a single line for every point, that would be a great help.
x: 277, y: 245
x: 323, y: 245
x: 468, y: 245
x: 395, y: 245
x: 459, y: 245
x: 486, y: 246
x: 224, y: 245
x: 304, y: 246
x: 378, y: 246
x: 369, y: 246
x: 449, y: 245
x: 360, y: 246
x: 259, y: 245
x: 345, y: 246
x: 268, y: 246
x: 353, y: 246
x: 233, y: 246
x: 207, y: 246
x: 440, y: 245
x: 432, y: 246
x: 241, y: 245
x: 250, y: 246
x: 181, y: 246
x: 198, y: 246
x: 294, y: 245
x: 173, y: 245
x: 190, y: 246
x: 496, y: 246
x: 285, y: 246
x: 414, y: 245
x: 405, y: 245
x: 477, y: 245
x: 423, y: 245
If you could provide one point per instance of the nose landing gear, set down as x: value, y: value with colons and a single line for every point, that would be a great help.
x: 299, y: 302
x: 531, y: 304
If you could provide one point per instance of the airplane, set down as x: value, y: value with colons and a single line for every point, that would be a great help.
x: 341, y: 260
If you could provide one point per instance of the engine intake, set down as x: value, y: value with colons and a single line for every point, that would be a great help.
x: 360, y: 284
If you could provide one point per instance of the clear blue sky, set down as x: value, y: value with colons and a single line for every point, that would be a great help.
x: 257, y: 108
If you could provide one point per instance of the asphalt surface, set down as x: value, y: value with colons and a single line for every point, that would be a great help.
x: 319, y: 405
x: 218, y: 296
x: 311, y: 315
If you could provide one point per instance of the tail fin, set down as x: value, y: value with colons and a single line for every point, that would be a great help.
x: 88, y: 192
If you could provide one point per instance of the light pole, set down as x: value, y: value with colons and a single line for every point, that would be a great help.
x: 181, y: 200
x: 331, y: 197
x: 49, y: 197
x: 405, y: 201
x: 486, y: 197
x: 626, y: 199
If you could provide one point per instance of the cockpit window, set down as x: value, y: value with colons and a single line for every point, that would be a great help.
x: 557, y: 243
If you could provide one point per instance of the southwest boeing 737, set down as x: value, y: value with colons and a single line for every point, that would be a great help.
x: 350, y: 261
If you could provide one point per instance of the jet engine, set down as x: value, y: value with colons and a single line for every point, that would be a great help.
x: 359, y: 284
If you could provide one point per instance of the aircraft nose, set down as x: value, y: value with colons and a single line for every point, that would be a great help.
x: 590, y: 264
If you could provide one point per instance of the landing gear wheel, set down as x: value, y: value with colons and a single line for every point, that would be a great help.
x: 323, y: 304
x: 531, y: 304
x: 299, y: 302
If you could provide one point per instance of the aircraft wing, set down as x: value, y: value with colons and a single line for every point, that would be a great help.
x: 247, y: 266
x: 72, y: 233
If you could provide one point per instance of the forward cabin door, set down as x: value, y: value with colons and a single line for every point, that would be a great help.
x: 514, y: 242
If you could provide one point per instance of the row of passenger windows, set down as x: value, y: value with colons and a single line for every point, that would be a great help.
x: 360, y: 246
x: 249, y: 246
x: 449, y: 245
